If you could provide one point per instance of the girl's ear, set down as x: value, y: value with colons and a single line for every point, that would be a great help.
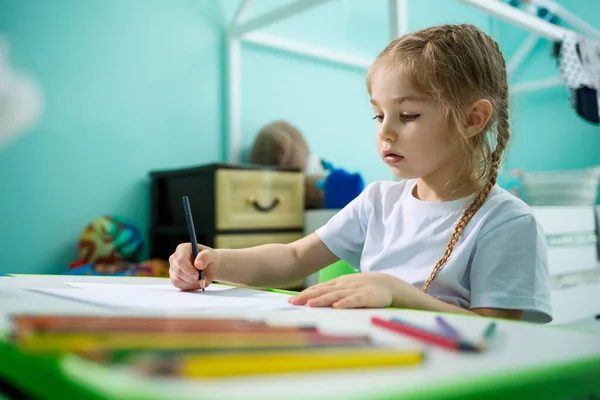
x: 478, y: 116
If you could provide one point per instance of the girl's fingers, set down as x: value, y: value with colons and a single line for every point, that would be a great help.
x: 182, y: 260
x: 205, y: 258
x: 183, y: 285
x: 328, y: 299
x: 179, y: 274
x: 355, y: 300
x: 310, y: 293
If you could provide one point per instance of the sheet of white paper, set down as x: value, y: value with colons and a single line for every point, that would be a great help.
x: 163, y: 287
x: 163, y: 297
x: 167, y: 287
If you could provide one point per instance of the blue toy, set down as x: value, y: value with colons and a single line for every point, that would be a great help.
x: 340, y: 187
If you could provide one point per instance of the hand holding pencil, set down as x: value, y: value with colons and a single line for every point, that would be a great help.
x: 192, y: 266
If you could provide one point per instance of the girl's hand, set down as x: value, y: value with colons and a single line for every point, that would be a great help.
x: 184, y: 271
x: 363, y: 290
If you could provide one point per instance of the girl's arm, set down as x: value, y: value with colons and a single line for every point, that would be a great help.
x: 409, y: 296
x: 273, y: 265
x: 379, y: 290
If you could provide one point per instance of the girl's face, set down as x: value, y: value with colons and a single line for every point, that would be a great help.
x: 412, y: 136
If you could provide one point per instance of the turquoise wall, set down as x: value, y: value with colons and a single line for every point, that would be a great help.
x: 129, y: 86
x: 136, y: 85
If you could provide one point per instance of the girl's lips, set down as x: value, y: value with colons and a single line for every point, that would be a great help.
x: 391, y: 158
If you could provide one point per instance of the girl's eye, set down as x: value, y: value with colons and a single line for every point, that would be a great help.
x: 409, y: 116
x: 378, y: 117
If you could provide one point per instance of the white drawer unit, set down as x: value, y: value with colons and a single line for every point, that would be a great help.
x: 572, y: 234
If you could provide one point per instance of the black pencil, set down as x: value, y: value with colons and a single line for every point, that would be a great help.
x: 190, y: 224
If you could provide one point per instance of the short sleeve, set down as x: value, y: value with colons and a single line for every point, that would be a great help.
x: 344, y: 234
x: 509, y: 269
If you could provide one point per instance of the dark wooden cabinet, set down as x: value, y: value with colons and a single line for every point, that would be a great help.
x: 233, y: 206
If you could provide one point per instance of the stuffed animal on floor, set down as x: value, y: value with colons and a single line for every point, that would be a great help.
x: 281, y: 144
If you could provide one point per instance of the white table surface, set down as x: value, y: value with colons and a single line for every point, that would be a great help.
x: 517, y: 346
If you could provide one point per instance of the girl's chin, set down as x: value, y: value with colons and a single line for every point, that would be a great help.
x: 401, y: 173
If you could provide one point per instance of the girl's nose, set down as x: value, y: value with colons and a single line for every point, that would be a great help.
x: 387, y: 134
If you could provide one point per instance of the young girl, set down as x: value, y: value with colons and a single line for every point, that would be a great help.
x: 445, y: 238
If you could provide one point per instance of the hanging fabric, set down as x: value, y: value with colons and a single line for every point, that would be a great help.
x: 579, y: 64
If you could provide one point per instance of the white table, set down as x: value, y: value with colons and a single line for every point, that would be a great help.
x: 519, y: 349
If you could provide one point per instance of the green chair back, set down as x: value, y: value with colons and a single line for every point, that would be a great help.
x: 334, y: 270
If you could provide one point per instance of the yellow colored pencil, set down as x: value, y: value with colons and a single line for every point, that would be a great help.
x: 205, y: 366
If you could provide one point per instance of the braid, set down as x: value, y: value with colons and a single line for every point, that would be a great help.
x: 492, y: 175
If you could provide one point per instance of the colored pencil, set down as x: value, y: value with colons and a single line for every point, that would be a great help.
x: 487, y: 336
x: 193, y: 240
x: 422, y: 334
x: 285, y: 362
x: 447, y: 328
x: 433, y: 332
x: 69, y: 342
x: 30, y: 324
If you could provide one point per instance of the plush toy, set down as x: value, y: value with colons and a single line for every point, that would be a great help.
x: 111, y: 246
x: 281, y: 144
x: 108, y: 240
x: 340, y: 187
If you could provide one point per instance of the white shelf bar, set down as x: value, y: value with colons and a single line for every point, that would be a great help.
x: 306, y: 50
x: 522, y: 53
x: 536, y: 85
x: 519, y: 18
x: 276, y: 15
x: 398, y: 17
x: 241, y: 13
x: 234, y: 107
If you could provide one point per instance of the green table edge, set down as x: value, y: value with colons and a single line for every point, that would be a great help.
x: 68, y: 376
x: 578, y: 379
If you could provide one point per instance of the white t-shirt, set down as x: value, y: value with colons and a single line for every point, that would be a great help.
x: 499, y: 261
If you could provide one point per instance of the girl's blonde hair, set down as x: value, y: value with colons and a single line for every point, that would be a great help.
x: 455, y: 65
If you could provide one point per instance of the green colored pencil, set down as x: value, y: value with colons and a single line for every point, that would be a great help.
x: 487, y: 336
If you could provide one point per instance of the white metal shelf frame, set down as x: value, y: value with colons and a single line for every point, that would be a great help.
x: 243, y: 30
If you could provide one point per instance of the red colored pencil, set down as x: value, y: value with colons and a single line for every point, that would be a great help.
x: 423, y: 335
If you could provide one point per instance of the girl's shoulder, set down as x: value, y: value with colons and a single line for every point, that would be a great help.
x: 503, y: 202
x: 503, y: 207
